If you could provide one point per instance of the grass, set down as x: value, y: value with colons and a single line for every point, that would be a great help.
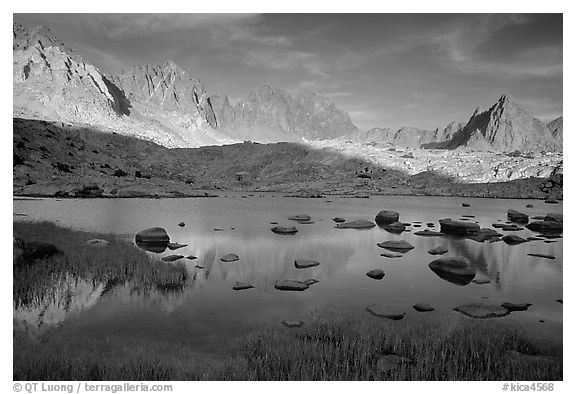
x: 329, y: 347
x: 111, y: 266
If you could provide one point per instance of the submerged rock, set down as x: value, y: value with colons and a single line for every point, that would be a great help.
x: 301, y: 264
x: 96, y: 242
x: 284, y: 230
x: 172, y: 258
x: 423, y: 307
x: 480, y: 310
x: 449, y: 226
x: 292, y: 323
x: 375, y: 274
x: 440, y: 249
x: 154, y: 235
x: 453, y: 269
x: 396, y: 246
x: 385, y: 311
x: 386, y: 217
x: 515, y: 307
x: 290, y: 285
x: 230, y: 257
x: 242, y: 286
x: 300, y: 217
x: 544, y: 256
x: 391, y: 362
x: 357, y: 224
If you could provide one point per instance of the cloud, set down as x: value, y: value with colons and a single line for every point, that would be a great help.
x: 287, y: 60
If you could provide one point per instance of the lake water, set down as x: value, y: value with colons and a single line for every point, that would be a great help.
x: 209, y: 309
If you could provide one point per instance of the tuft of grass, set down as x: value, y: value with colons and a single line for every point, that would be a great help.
x: 111, y: 266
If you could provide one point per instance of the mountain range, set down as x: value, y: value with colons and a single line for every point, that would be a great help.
x: 164, y: 104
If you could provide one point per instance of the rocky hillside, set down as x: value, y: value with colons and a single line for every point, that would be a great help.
x: 506, y: 126
x: 406, y: 137
x: 556, y: 128
x: 80, y: 161
x: 269, y: 114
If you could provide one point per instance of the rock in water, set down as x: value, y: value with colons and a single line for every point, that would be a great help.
x: 554, y: 217
x: 375, y: 274
x: 357, y: 224
x: 242, y: 286
x: 385, y: 311
x: 339, y: 220
x: 453, y: 269
x: 181, y: 224
x: 386, y: 217
x: 544, y: 256
x: 551, y: 201
x: 396, y: 246
x: 172, y: 258
x: 154, y: 235
x: 480, y: 310
x: 230, y: 258
x: 391, y: 362
x: 300, y: 218
x: 428, y: 233
x: 481, y: 281
x: 516, y: 216
x: 284, y: 230
x: 546, y: 226
x: 310, y: 282
x: 440, y: 249
x: 391, y: 255
x: 465, y: 205
x: 515, y: 307
x: 97, y: 243
x: 449, y: 226
x: 176, y: 245
x: 290, y: 285
x: 423, y: 307
x: 301, y: 264
x: 292, y: 323
x: 513, y: 239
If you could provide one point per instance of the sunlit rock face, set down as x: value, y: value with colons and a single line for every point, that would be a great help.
x: 556, y: 127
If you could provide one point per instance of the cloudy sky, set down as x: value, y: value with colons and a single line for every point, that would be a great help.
x: 386, y: 70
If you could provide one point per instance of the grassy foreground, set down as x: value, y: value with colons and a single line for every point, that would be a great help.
x: 330, y: 347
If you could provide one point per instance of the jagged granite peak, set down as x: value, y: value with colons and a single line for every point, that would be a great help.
x: 270, y: 114
x: 167, y: 86
x: 51, y: 81
x: 556, y: 128
x: 506, y: 126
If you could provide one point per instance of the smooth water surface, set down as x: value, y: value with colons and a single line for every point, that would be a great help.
x: 209, y: 309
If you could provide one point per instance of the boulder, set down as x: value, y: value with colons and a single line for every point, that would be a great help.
x: 172, y: 257
x: 513, y: 239
x: 554, y: 217
x: 449, y: 226
x: 357, y: 224
x: 396, y: 246
x: 152, y: 247
x: 154, y: 235
x: 301, y: 264
x: 27, y: 252
x: 480, y: 310
x: 498, y: 225
x: 375, y: 274
x: 175, y: 245
x: 546, y: 226
x: 391, y: 362
x: 511, y: 227
x: 284, y: 230
x: 98, y: 243
x: 440, y: 249
x: 516, y: 216
x: 385, y: 311
x: 485, y: 234
x: 423, y: 307
x: 515, y: 307
x: 551, y: 201
x: 230, y: 257
x: 292, y: 323
x: 391, y: 255
x: 242, y: 286
x: 290, y: 285
x: 386, y: 217
x: 453, y: 269
x: 339, y: 220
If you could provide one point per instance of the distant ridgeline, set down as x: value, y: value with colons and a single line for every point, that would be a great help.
x: 164, y: 104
